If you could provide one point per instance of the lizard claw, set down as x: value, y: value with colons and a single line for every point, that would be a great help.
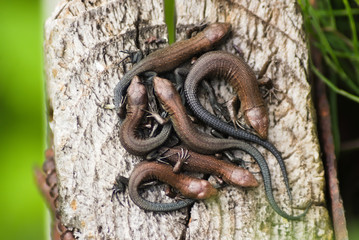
x: 157, y: 117
x: 272, y: 92
x: 269, y: 90
x: 182, y: 158
x: 119, y: 187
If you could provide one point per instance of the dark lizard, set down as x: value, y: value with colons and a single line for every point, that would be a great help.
x: 195, y: 162
x: 242, y: 78
x: 189, y: 187
x: 136, y: 104
x: 168, y: 58
x: 203, y: 143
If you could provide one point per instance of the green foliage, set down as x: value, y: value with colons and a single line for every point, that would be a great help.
x: 170, y: 19
x: 332, y: 29
x: 328, y: 31
x: 22, y: 119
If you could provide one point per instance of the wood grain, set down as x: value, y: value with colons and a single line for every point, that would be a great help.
x: 83, y: 40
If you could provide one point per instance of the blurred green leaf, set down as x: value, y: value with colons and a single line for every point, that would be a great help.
x: 22, y: 119
x: 332, y: 29
x: 170, y: 20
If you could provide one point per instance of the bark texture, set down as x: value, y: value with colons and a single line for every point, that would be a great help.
x: 83, y: 40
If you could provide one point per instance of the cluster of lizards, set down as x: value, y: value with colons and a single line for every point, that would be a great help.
x: 141, y: 86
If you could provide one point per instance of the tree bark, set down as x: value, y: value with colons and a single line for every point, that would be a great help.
x: 83, y: 40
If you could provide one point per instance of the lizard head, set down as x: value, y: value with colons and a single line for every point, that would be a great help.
x: 215, y: 32
x: 165, y: 91
x: 242, y: 177
x: 257, y: 117
x: 200, y: 189
x: 136, y: 93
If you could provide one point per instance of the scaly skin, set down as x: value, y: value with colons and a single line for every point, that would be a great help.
x: 206, y: 144
x: 168, y: 58
x: 137, y: 102
x: 242, y: 78
x: 189, y: 187
x: 234, y: 70
x: 194, y: 162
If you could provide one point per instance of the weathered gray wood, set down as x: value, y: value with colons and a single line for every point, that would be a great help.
x: 269, y: 31
x: 82, y: 44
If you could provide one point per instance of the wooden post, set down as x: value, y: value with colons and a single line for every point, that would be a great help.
x: 83, y: 40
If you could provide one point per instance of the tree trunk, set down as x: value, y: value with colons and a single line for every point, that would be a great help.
x: 83, y: 40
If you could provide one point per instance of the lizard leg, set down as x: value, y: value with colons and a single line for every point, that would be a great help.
x: 182, y: 159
